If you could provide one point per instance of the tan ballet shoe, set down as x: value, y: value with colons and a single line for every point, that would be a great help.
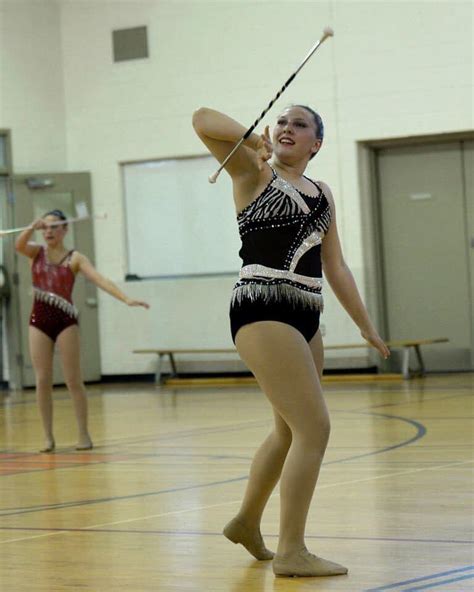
x: 236, y: 532
x: 87, y: 446
x: 305, y: 564
x: 49, y: 447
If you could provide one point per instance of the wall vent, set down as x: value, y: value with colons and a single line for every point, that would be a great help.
x: 130, y: 44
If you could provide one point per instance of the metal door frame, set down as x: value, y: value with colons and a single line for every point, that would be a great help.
x: 12, y: 317
x: 372, y: 243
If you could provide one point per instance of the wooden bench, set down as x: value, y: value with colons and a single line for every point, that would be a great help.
x: 404, y: 345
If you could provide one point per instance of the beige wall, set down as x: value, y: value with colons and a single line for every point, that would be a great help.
x: 31, y: 84
x: 393, y: 69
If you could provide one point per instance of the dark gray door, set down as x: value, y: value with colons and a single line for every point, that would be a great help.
x: 426, y: 259
x: 468, y: 166
x: 35, y: 195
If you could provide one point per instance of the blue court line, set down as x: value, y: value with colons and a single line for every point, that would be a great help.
x: 179, y: 533
x: 31, y: 400
x: 403, y: 403
x: 422, y: 579
x: 436, y: 584
x: 75, y: 504
x: 157, y: 438
x: 132, y: 457
x: 420, y: 433
x: 446, y: 418
x: 63, y: 465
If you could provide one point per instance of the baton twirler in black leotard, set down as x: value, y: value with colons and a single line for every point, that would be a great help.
x: 281, y: 277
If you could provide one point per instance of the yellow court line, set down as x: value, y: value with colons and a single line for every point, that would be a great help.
x: 175, y: 512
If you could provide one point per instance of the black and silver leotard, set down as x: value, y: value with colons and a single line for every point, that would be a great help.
x: 281, y: 276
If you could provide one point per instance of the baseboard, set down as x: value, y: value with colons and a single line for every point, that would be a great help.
x: 244, y: 377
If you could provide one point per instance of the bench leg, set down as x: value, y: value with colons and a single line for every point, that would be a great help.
x: 174, y: 372
x: 406, y: 363
x: 158, y: 369
x: 421, y: 366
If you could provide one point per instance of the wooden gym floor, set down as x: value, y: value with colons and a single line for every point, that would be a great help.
x: 143, y: 511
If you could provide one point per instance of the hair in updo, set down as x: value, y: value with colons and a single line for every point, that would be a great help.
x: 58, y: 214
x: 318, y: 122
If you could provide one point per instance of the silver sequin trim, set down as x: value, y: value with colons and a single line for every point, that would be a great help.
x: 277, y: 293
x: 55, y: 300
x: 287, y: 188
x: 261, y: 271
x: 315, y: 238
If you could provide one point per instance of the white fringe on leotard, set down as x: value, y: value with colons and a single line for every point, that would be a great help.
x: 56, y: 300
x: 277, y: 291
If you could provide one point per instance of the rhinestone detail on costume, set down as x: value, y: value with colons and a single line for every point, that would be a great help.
x: 257, y: 271
x: 287, y: 188
x: 311, y: 241
x: 283, y: 230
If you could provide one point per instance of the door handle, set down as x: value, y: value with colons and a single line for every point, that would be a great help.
x: 92, y: 302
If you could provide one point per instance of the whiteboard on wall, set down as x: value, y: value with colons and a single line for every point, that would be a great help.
x: 178, y: 224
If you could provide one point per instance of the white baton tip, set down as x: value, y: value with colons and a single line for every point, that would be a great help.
x: 328, y: 31
x: 213, y: 177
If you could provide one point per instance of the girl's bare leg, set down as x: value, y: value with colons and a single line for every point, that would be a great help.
x: 285, y: 368
x: 69, y: 348
x: 317, y: 351
x: 41, y: 351
x: 264, y: 474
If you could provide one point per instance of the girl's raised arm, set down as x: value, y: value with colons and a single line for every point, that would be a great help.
x: 22, y: 242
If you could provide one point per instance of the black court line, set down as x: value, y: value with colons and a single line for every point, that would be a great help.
x: 133, y: 457
x: 96, y: 461
x: 447, y: 418
x: 92, y: 393
x: 157, y: 438
x: 204, y: 431
x: 329, y: 387
x: 75, y: 504
x: 424, y: 400
x: 187, y: 533
x: 421, y: 431
x: 425, y: 578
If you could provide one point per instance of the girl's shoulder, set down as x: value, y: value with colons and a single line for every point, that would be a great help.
x: 75, y: 255
x: 75, y: 259
x: 326, y: 191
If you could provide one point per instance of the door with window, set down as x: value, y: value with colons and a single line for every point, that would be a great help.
x: 34, y: 196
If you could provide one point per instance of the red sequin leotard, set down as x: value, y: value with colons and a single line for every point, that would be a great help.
x: 53, y: 310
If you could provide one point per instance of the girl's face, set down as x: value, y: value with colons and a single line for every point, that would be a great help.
x: 294, y: 136
x: 54, y: 235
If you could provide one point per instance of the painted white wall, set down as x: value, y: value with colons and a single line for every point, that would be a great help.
x: 31, y: 84
x: 393, y: 69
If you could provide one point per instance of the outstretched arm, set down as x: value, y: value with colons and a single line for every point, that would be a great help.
x: 342, y: 282
x: 83, y: 265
